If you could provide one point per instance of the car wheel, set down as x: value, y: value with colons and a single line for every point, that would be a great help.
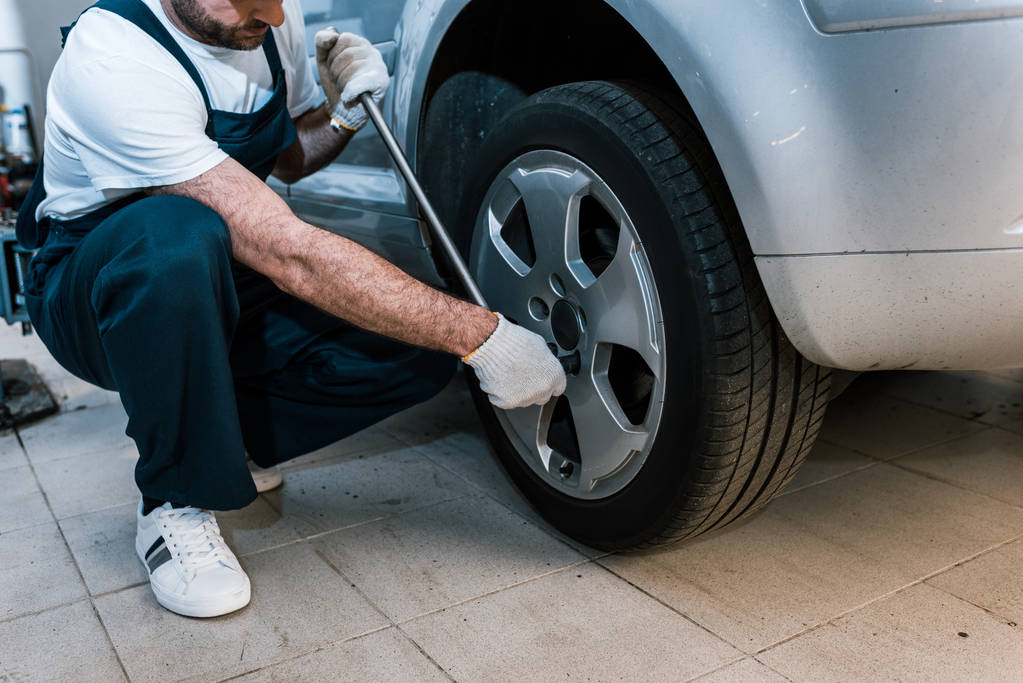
x: 601, y: 221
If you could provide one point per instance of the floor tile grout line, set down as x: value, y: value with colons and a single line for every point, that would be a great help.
x: 311, y: 537
x: 727, y: 664
x: 331, y: 460
x: 875, y: 459
x: 105, y: 508
x: 698, y: 677
x: 74, y: 561
x: 1006, y: 430
x: 347, y: 579
x: 671, y: 608
x: 321, y: 648
x: 769, y: 667
x: 110, y: 640
x: 842, y: 475
x: 321, y: 534
x: 423, y: 652
x: 955, y: 485
x: 480, y: 596
x: 30, y: 526
x: 914, y: 450
x: 893, y: 461
x: 1000, y: 617
x: 889, y: 594
x: 86, y: 454
x: 115, y: 591
x: 487, y: 594
x: 917, y: 404
x: 393, y: 624
x: 36, y: 613
x: 944, y: 411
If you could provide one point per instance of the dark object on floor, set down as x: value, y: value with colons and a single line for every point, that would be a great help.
x: 25, y: 396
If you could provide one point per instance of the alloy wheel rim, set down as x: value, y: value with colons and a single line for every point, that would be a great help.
x: 555, y: 250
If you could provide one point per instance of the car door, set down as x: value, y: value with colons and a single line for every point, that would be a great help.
x: 361, y: 195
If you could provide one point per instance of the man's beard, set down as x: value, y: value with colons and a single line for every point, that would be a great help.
x: 213, y: 32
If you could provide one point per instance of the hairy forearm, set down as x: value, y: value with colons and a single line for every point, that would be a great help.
x: 330, y: 271
x: 353, y: 283
x: 318, y: 144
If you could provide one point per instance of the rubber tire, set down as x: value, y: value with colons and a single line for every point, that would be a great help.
x: 742, y: 407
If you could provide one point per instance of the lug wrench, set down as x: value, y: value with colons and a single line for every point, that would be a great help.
x: 571, y: 362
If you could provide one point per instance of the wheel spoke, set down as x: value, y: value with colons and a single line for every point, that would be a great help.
x: 504, y: 287
x: 606, y: 439
x: 624, y: 298
x: 551, y: 198
x: 530, y: 425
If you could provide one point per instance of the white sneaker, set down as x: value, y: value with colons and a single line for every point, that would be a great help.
x: 265, y: 479
x: 191, y: 569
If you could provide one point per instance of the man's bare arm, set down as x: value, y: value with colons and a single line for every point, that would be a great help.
x: 318, y: 144
x: 330, y: 271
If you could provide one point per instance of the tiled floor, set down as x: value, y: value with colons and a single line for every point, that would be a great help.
x: 403, y: 554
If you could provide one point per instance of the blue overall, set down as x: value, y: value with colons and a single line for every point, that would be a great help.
x: 211, y: 359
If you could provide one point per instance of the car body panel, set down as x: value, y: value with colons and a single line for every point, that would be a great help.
x: 361, y: 195
x: 900, y: 311
x: 835, y: 139
x: 842, y: 16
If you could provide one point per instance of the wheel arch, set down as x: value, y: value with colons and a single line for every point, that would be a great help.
x: 479, y: 70
x: 462, y: 67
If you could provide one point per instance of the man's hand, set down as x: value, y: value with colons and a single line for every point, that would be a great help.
x: 349, y: 66
x: 516, y: 368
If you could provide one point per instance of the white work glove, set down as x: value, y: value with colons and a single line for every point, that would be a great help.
x: 516, y: 368
x: 349, y: 65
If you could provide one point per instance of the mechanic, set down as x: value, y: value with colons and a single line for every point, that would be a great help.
x: 173, y: 274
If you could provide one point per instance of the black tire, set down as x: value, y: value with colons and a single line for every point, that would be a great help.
x: 741, y: 408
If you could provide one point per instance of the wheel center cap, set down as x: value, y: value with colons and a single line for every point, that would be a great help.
x: 565, y: 323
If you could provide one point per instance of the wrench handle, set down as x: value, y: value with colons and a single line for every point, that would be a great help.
x: 442, y: 236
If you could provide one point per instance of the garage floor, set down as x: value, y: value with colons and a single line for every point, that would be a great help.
x: 402, y: 554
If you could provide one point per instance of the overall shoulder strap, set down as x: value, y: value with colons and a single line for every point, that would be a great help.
x: 273, y: 55
x: 137, y: 13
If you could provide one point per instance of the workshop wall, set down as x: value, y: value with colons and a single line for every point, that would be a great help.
x: 42, y: 20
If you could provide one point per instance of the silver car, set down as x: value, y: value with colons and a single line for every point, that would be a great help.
x: 710, y: 205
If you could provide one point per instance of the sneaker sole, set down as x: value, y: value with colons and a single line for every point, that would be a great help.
x: 218, y: 608
x: 225, y: 605
x: 267, y: 481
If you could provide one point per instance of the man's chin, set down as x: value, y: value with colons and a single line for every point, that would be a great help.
x: 244, y: 42
x: 251, y: 43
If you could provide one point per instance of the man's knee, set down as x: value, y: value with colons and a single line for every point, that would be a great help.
x: 174, y: 238
x: 173, y: 223
x: 169, y: 248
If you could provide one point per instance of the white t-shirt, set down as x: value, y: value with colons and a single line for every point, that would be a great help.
x: 123, y: 114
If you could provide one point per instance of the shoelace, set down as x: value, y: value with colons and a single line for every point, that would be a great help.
x: 195, y: 534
